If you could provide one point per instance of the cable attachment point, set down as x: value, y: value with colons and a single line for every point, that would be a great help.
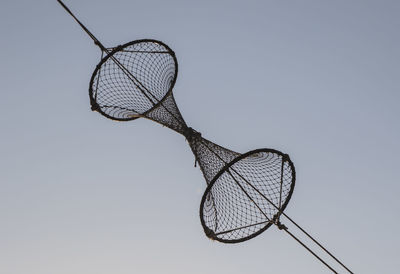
x: 278, y: 223
x: 281, y: 226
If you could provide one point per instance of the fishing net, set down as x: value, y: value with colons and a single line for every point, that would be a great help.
x: 246, y: 193
x: 133, y: 79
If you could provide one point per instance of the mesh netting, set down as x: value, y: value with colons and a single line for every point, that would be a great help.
x: 245, y: 193
x: 211, y: 157
x: 247, y: 196
x: 133, y: 79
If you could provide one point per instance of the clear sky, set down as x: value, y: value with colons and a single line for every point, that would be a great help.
x: 318, y: 80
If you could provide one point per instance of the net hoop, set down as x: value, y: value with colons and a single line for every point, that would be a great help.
x: 95, y: 106
x: 210, y: 233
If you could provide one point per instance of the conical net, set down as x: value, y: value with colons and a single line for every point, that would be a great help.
x: 246, y: 193
x: 247, y: 196
x: 133, y: 79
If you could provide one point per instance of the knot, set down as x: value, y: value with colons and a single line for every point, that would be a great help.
x: 281, y: 226
x: 277, y: 222
x: 191, y: 134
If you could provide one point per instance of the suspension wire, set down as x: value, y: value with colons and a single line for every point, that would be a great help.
x: 95, y: 40
x: 248, y: 195
x: 306, y: 247
x: 280, y: 226
x: 141, y: 87
x: 104, y: 49
x: 315, y: 241
x: 136, y: 82
x: 277, y: 223
x: 298, y: 226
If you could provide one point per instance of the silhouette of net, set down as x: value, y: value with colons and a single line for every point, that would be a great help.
x: 245, y: 193
x: 211, y: 157
x: 247, y: 196
x: 133, y: 79
x: 168, y: 114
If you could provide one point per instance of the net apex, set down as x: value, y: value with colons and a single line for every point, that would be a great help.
x: 191, y: 134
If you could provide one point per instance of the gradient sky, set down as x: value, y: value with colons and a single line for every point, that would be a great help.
x: 318, y: 80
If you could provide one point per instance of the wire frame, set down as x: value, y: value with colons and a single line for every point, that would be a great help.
x: 133, y: 79
x: 246, y: 193
x: 242, y: 199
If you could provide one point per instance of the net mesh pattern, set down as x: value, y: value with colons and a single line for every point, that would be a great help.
x: 245, y: 192
x: 247, y: 196
x: 168, y: 114
x: 133, y: 79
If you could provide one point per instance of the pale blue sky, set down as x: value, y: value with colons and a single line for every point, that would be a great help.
x: 318, y: 80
